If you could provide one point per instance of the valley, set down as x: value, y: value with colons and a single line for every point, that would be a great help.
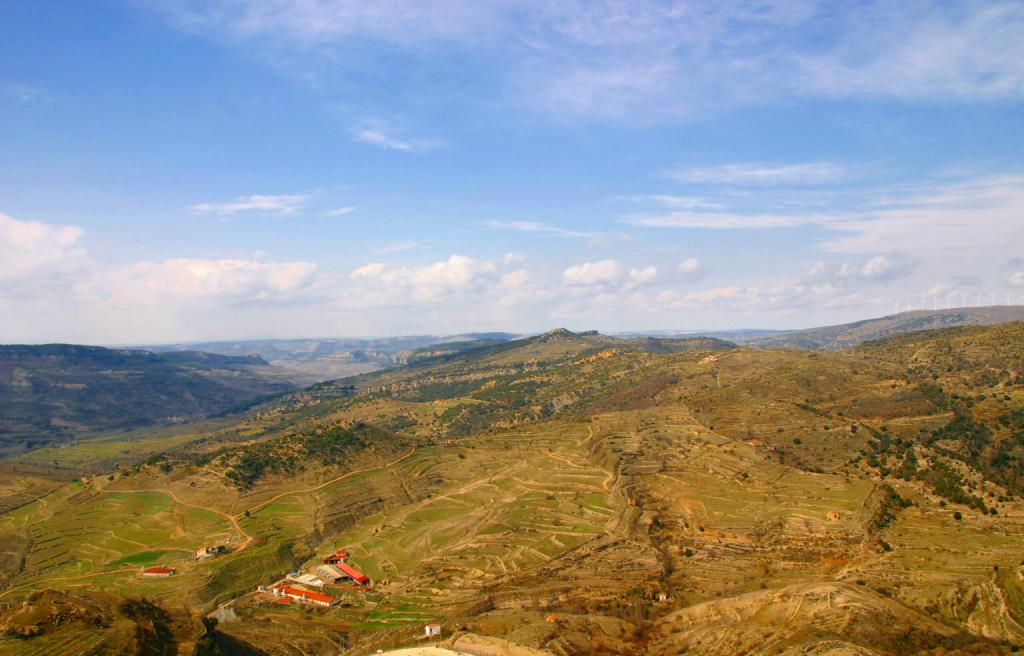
x: 568, y: 493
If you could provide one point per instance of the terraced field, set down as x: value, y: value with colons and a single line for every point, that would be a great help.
x: 80, y: 533
x: 582, y: 500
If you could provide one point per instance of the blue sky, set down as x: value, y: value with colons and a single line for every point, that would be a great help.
x: 176, y: 171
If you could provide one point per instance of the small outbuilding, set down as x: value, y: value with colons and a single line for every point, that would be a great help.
x: 208, y: 552
x: 339, y: 556
x: 155, y: 572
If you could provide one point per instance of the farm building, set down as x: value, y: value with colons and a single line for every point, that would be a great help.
x: 306, y: 579
x: 307, y: 596
x: 343, y: 572
x: 431, y: 630
x: 339, y: 556
x: 330, y: 573
x: 157, y: 571
x: 208, y: 552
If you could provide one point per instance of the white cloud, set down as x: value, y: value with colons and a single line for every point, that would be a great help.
x: 516, y: 279
x: 35, y: 249
x: 762, y: 174
x: 880, y: 268
x: 397, y: 247
x: 690, y: 269
x: 513, y: 258
x: 281, y: 204
x: 720, y: 220
x: 534, y: 226
x: 612, y: 89
x: 612, y: 59
x: 331, y: 21
x: 382, y: 284
x: 458, y: 271
x: 381, y: 133
x: 1017, y: 279
x: 340, y: 211
x: 674, y: 201
x: 761, y: 299
x: 368, y: 270
x: 593, y: 273
x: 643, y: 276
x: 945, y: 51
x: 977, y: 213
x: 234, y: 281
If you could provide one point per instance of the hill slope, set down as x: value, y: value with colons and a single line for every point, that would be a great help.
x: 581, y: 495
x: 834, y: 338
x: 54, y: 392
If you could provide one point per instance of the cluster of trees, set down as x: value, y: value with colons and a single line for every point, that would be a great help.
x: 940, y: 476
x: 328, y: 446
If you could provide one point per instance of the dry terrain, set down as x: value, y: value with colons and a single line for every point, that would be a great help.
x: 566, y: 494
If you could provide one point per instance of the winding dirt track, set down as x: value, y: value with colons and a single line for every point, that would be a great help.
x: 315, y: 488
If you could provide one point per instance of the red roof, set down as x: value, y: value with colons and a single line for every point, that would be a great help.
x: 353, y: 573
x: 337, y: 556
x: 307, y: 594
x: 158, y: 570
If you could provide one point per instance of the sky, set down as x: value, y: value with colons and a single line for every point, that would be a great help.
x: 176, y: 170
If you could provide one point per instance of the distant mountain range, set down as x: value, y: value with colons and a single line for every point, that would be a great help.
x: 836, y: 338
x: 309, y: 361
x: 54, y: 392
x: 57, y: 392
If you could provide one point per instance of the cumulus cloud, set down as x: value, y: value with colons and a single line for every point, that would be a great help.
x: 383, y: 284
x: 690, y: 269
x: 593, y: 273
x: 229, y: 280
x: 513, y: 258
x: 456, y: 271
x: 35, y: 249
x: 643, y: 276
x: 1017, y: 279
x: 59, y: 292
x: 516, y: 279
x: 368, y: 270
x: 880, y: 268
x: 281, y: 204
